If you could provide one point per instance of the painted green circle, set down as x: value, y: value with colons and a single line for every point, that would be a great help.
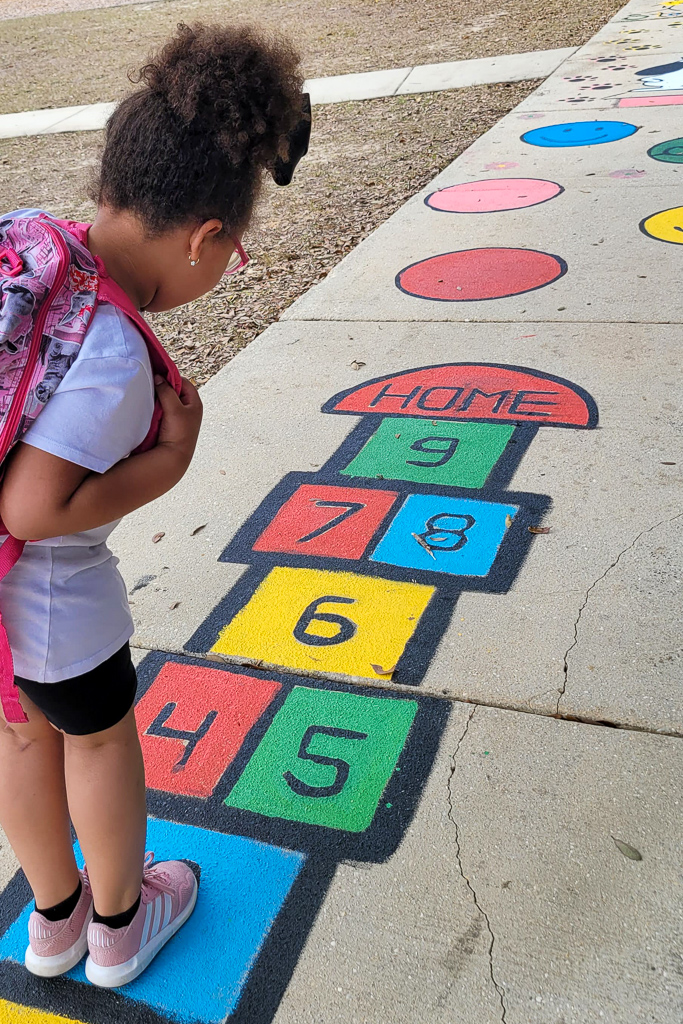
x: 670, y: 152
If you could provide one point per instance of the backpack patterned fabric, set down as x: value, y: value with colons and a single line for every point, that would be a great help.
x: 48, y: 292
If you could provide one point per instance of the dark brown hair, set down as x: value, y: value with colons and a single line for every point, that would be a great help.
x: 193, y: 142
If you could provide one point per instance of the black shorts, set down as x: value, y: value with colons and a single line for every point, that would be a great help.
x: 89, y: 703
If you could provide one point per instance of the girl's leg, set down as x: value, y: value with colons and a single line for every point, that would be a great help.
x: 33, y: 806
x: 105, y: 783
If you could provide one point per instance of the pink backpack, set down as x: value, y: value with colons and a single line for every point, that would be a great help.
x: 50, y: 285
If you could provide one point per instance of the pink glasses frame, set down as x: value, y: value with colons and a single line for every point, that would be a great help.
x: 244, y: 259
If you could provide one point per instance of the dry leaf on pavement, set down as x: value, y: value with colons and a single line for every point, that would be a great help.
x: 628, y: 851
x: 423, y: 544
x: 383, y: 671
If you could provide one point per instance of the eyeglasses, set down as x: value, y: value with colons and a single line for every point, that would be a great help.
x: 238, y: 260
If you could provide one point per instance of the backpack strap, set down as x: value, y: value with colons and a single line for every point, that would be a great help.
x: 10, y: 552
x: 159, y: 358
x: 109, y: 291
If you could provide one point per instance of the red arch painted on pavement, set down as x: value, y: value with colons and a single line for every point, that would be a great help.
x: 487, y: 392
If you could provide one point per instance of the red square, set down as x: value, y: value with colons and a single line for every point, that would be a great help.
x: 192, y: 722
x: 336, y: 522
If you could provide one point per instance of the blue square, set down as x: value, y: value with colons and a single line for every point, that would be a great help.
x: 200, y: 974
x: 460, y: 536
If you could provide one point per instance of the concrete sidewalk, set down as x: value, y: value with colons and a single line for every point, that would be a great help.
x: 409, y: 632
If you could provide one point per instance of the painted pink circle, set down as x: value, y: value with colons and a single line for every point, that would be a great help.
x: 491, y: 195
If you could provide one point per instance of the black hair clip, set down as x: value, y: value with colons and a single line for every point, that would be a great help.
x: 297, y: 146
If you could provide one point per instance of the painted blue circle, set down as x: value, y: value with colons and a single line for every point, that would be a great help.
x: 579, y: 133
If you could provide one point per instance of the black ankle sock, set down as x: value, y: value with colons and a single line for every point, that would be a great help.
x: 118, y: 920
x: 65, y: 909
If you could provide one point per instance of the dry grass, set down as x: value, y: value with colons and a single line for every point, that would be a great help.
x: 32, y: 8
x: 82, y: 57
x: 365, y: 161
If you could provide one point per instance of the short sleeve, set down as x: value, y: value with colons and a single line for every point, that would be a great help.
x: 103, y: 407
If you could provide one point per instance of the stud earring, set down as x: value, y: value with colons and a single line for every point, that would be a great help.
x: 193, y: 263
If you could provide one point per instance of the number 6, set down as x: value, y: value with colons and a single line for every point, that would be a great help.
x: 347, y: 628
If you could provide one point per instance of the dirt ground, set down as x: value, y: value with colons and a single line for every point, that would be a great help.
x: 31, y: 8
x: 365, y: 161
x: 83, y: 56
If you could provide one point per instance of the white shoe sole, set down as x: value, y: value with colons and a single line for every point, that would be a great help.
x: 53, y: 966
x: 121, y: 974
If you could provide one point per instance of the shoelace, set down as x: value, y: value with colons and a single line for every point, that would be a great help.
x: 154, y: 880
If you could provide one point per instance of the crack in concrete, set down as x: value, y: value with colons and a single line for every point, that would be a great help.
x: 475, y: 898
x: 403, y: 80
x: 409, y: 688
x: 600, y: 578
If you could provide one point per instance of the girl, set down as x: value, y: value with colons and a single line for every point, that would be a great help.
x: 180, y: 173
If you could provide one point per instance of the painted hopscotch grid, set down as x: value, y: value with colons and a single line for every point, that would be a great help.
x: 355, y: 570
x: 267, y: 850
x: 269, y: 780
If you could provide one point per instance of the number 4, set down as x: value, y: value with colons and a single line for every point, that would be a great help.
x: 191, y: 739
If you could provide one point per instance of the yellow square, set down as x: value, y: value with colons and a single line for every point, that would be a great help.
x: 336, y: 622
x: 11, y: 1013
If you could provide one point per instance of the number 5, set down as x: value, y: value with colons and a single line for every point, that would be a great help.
x: 342, y: 767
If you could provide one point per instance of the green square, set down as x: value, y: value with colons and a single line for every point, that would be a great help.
x: 326, y: 758
x: 457, y: 454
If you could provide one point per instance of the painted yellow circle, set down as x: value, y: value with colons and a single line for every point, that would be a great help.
x: 667, y: 225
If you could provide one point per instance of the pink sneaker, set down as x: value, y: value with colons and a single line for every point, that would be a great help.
x: 118, y: 955
x: 57, y: 946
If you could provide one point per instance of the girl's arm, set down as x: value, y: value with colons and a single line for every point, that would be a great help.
x: 45, y: 496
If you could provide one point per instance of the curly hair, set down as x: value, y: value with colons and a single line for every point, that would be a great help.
x: 193, y: 142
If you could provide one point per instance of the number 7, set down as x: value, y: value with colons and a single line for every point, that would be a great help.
x: 350, y: 508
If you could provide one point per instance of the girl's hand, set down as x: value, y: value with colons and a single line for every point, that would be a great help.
x: 182, y: 416
x: 45, y: 496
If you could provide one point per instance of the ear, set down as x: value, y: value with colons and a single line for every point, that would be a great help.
x: 201, y: 234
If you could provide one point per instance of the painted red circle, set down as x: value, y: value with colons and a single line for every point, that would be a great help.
x: 471, y: 274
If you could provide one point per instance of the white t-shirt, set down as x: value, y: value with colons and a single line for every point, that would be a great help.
x: 64, y: 603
